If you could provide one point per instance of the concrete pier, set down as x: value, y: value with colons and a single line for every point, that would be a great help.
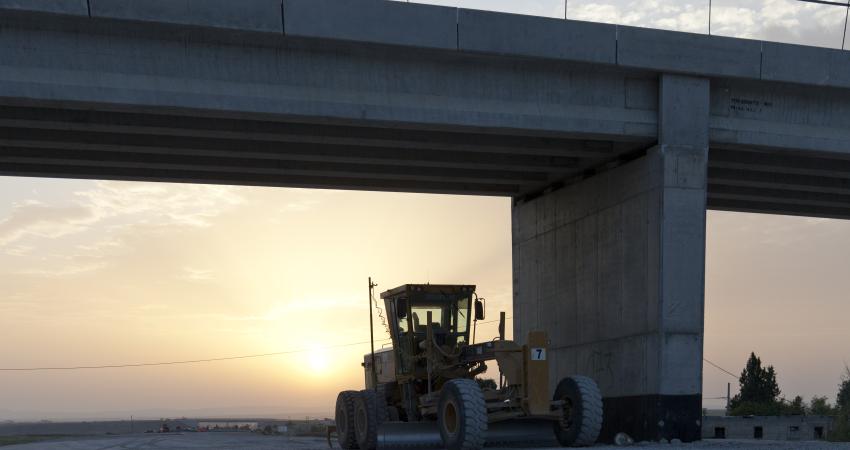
x: 613, y: 267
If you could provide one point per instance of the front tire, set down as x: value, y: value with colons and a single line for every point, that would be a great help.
x: 366, y: 420
x: 462, y: 415
x: 345, y: 419
x: 581, y: 414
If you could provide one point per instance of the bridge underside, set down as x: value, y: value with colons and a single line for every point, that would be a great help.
x: 197, y: 147
x: 771, y: 182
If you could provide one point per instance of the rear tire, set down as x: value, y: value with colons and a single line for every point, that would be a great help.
x: 462, y: 415
x: 581, y: 419
x: 345, y: 419
x: 366, y: 420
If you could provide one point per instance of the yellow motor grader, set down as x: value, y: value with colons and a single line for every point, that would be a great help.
x: 424, y: 390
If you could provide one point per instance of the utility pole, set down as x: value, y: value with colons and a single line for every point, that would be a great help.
x: 372, y: 336
x: 728, y: 397
x: 709, y: 17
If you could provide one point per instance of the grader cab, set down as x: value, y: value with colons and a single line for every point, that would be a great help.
x: 424, y: 390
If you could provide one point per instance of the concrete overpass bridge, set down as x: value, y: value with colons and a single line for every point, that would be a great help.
x: 612, y: 141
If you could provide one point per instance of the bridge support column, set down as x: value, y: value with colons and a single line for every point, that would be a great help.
x: 613, y: 267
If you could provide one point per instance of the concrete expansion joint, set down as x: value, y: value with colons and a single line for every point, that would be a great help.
x: 282, y: 18
x: 595, y: 211
x: 597, y: 341
x: 697, y: 149
x: 667, y: 332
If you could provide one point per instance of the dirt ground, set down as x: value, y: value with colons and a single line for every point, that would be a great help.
x: 245, y: 441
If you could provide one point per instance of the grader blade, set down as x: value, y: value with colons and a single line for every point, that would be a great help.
x: 409, y: 434
x: 426, y: 434
x: 521, y: 431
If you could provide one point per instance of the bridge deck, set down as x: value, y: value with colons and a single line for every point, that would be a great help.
x: 376, y: 95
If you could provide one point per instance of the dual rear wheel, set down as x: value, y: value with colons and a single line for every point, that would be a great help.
x: 358, y: 415
x: 344, y: 418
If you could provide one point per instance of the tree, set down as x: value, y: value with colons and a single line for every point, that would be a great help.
x: 819, y: 406
x: 842, y: 401
x: 795, y: 408
x: 759, y: 390
x: 841, y: 430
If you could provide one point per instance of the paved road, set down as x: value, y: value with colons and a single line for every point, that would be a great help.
x: 244, y: 441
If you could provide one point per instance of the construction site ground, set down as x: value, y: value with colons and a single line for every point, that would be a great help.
x: 247, y: 441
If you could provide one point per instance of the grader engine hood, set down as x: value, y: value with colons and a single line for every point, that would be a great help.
x: 384, y: 367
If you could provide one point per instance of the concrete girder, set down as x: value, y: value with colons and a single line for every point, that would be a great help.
x: 778, y: 196
x: 159, y: 67
x: 244, y: 179
x: 780, y: 162
x: 784, y: 181
x: 247, y: 165
x: 81, y: 141
x: 777, y: 207
x: 780, y: 117
x: 187, y: 125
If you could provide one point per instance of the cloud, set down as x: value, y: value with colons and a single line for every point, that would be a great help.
x: 19, y: 250
x: 102, y: 247
x: 64, y: 271
x: 133, y: 203
x: 789, y: 21
x: 196, y: 275
x: 284, y: 310
x: 39, y: 220
x: 301, y: 205
x: 188, y: 205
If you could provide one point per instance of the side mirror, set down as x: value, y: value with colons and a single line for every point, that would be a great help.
x: 401, y: 308
x: 479, y: 309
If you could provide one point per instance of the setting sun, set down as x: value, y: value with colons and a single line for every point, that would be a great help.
x: 318, y: 361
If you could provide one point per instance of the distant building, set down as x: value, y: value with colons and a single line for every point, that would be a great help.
x: 214, y: 425
x: 777, y: 428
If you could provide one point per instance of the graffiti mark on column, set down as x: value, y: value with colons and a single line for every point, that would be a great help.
x: 602, y: 364
x: 749, y: 105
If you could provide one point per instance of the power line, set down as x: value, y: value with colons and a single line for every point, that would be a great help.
x: 721, y: 369
x: 232, y: 358
x: 196, y: 361
x: 494, y: 321
x: 825, y: 2
x: 846, y: 20
x: 193, y: 361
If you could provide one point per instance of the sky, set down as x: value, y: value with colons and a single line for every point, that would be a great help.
x: 101, y: 272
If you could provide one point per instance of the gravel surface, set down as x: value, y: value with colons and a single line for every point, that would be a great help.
x: 244, y: 441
